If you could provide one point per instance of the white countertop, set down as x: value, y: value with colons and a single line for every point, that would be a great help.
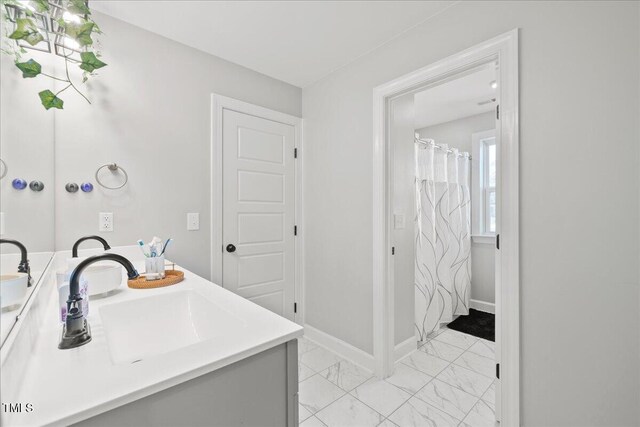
x: 67, y: 386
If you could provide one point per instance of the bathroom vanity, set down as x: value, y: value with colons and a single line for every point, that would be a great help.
x: 192, y: 351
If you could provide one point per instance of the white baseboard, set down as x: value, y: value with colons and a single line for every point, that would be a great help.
x: 405, y: 348
x: 341, y: 348
x: 487, y: 307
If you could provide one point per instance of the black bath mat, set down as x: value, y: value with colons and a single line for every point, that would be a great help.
x: 476, y: 323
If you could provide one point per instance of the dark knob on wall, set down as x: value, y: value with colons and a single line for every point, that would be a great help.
x: 231, y: 248
x: 36, y: 185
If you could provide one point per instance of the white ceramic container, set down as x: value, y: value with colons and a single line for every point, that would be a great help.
x: 13, y: 289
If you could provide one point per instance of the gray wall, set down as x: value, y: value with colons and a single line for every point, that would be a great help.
x: 579, y: 109
x: 457, y: 133
x: 151, y: 114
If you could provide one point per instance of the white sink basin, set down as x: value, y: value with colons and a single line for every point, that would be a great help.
x: 162, y: 323
x: 13, y: 288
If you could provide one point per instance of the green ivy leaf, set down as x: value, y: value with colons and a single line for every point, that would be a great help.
x: 78, y: 6
x: 41, y: 5
x: 90, y: 62
x: 80, y: 32
x: 26, y: 30
x: 50, y: 100
x: 29, y: 69
x: 34, y: 38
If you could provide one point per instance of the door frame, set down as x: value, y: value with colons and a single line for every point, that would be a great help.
x: 504, y: 48
x: 219, y: 103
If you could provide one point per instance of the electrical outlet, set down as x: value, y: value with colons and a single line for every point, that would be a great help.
x: 105, y: 221
x: 193, y: 221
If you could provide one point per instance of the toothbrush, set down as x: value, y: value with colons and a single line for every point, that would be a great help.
x: 164, y: 248
x: 141, y: 244
x: 152, y: 246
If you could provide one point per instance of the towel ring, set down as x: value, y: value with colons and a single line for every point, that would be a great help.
x: 5, y: 169
x: 113, y: 168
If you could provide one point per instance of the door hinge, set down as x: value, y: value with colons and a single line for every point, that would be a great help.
x: 295, y: 230
x: 295, y: 153
x: 295, y: 307
x: 498, y: 241
x: 498, y: 112
x: 497, y: 370
x: 393, y: 250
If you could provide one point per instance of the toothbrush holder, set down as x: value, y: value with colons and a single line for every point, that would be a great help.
x: 154, y: 267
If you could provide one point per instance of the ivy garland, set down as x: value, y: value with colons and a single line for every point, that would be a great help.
x: 74, y: 23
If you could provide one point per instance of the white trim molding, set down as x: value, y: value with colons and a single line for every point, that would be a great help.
x: 405, y: 348
x: 483, y: 239
x: 487, y: 307
x: 220, y: 103
x: 341, y: 348
x: 502, y: 49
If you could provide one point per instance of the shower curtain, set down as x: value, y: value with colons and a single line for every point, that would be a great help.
x: 443, y: 237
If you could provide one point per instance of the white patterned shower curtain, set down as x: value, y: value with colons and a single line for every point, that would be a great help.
x: 443, y: 237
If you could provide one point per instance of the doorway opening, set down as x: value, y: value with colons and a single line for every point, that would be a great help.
x: 446, y: 226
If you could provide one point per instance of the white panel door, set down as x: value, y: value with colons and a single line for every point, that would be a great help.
x: 259, y: 211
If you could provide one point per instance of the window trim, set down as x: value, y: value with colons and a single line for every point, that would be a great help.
x: 479, y: 188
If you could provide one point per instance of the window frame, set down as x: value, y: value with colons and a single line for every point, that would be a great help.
x: 480, y: 189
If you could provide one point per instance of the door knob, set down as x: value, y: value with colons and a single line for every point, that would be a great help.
x: 231, y: 248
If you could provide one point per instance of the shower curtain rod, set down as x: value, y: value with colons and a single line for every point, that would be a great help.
x: 440, y: 147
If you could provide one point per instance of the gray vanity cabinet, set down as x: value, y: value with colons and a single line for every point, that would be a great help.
x: 260, y: 391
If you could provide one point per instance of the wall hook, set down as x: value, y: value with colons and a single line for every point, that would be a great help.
x: 36, y: 186
x: 19, y: 184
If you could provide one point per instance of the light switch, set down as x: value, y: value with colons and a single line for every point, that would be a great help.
x: 105, y: 221
x: 193, y: 221
x: 398, y: 221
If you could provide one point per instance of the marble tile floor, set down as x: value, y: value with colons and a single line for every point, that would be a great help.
x: 447, y: 381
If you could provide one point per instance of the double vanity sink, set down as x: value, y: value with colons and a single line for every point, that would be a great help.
x: 195, y: 337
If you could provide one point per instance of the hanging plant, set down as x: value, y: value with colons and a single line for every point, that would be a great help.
x: 61, y: 27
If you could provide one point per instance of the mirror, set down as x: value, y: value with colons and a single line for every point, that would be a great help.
x: 138, y: 158
x: 26, y: 189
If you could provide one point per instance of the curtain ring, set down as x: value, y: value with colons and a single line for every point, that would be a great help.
x: 5, y: 169
x: 113, y: 167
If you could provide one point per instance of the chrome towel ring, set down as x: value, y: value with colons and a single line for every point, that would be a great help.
x: 113, y: 167
x: 3, y: 169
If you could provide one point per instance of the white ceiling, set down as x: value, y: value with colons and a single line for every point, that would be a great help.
x: 298, y: 42
x: 456, y: 99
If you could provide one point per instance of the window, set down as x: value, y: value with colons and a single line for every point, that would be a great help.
x: 483, y: 186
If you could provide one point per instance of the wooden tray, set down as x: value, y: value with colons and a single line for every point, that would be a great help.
x: 171, y: 278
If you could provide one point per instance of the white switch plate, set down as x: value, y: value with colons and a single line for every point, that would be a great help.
x: 193, y: 221
x: 105, y: 221
x: 398, y: 221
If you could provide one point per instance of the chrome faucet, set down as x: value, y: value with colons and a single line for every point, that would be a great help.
x: 23, y: 267
x: 74, y: 250
x: 76, y: 330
